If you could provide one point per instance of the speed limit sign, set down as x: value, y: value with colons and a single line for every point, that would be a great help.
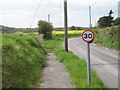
x: 88, y: 36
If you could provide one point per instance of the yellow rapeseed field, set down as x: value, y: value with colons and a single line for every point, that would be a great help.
x: 31, y: 33
x: 61, y: 32
x: 69, y: 32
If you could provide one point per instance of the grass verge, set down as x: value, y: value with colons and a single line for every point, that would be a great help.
x: 107, y: 37
x: 22, y: 60
x: 75, y: 66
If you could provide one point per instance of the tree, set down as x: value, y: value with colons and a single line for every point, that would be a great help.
x: 73, y: 28
x: 106, y: 21
x: 116, y: 21
x: 110, y: 13
x: 45, y: 28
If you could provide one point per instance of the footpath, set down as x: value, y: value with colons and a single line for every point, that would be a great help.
x: 54, y: 74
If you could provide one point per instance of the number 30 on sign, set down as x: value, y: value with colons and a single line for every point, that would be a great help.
x: 88, y: 36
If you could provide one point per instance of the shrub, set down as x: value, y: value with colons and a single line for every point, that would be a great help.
x: 117, y: 21
x: 107, y: 37
x: 45, y: 28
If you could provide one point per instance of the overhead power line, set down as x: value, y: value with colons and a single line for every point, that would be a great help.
x: 36, y: 13
x: 95, y: 2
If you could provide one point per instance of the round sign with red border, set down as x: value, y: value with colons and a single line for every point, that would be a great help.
x: 88, y: 36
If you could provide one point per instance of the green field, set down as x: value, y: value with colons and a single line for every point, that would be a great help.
x: 75, y: 66
x: 22, y: 60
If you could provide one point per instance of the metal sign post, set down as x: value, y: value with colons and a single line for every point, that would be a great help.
x: 88, y: 62
x: 88, y: 36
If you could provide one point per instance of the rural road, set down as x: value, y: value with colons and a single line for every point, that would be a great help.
x: 103, y: 60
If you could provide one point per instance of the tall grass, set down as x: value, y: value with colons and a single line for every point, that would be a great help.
x: 22, y: 60
x: 75, y: 66
x: 107, y: 37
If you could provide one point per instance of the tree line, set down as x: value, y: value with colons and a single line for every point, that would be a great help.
x: 105, y: 21
x: 10, y: 30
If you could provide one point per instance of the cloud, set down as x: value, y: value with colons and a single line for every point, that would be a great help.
x: 20, y: 13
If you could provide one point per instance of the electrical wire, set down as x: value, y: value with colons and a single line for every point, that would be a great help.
x: 95, y: 3
x: 35, y: 13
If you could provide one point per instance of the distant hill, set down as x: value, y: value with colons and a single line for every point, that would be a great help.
x: 6, y: 29
x: 9, y: 30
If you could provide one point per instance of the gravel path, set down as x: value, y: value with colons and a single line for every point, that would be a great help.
x: 55, y: 75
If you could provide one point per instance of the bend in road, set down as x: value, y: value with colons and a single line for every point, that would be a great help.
x: 103, y: 60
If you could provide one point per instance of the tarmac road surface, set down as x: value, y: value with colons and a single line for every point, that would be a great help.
x: 103, y: 60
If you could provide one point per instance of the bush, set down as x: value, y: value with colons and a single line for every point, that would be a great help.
x: 106, y: 21
x: 23, y: 58
x: 45, y: 28
x: 117, y: 21
x: 73, y: 28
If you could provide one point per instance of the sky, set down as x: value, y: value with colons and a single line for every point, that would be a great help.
x: 20, y: 13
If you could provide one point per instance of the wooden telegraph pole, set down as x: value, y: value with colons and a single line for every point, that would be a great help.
x: 65, y: 26
x: 90, y: 17
x: 119, y: 9
x: 48, y: 18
